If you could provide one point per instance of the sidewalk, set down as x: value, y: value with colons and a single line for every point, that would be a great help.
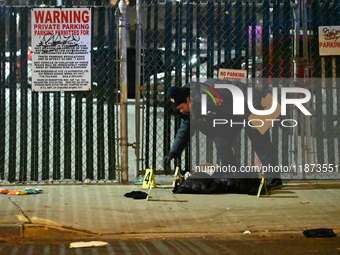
x: 74, y: 211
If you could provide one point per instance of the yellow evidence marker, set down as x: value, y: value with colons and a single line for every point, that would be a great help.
x: 149, y: 179
x: 263, y: 183
x: 177, y: 177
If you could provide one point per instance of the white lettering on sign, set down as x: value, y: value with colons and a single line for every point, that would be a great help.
x: 238, y: 100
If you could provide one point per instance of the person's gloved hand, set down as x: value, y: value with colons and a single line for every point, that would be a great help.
x: 166, y: 160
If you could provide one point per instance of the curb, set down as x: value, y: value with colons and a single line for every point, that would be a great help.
x: 11, y: 231
x: 46, y: 232
x: 40, y: 232
x: 43, y: 232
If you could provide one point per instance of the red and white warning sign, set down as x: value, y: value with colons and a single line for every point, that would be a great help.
x: 329, y: 40
x: 61, y: 44
x: 232, y: 75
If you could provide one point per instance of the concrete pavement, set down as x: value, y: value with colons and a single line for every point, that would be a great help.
x: 102, y: 211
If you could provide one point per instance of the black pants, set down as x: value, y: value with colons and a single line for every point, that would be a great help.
x: 261, y: 144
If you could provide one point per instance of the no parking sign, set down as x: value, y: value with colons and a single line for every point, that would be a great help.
x: 233, y: 75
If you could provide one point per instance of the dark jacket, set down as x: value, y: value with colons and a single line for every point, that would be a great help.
x: 182, y: 137
x: 202, y: 123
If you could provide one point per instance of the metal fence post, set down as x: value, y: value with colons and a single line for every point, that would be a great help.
x: 123, y: 92
x: 13, y: 95
x: 3, y: 11
x: 296, y: 17
x: 138, y: 81
x: 307, y: 75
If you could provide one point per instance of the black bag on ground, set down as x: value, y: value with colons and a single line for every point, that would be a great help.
x: 319, y: 233
x: 203, y: 183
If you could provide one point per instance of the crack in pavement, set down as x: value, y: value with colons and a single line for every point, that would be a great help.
x: 21, y: 210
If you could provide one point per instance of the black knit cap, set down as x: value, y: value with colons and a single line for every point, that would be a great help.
x: 178, y: 95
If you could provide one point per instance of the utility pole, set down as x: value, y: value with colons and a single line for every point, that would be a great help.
x: 138, y: 80
x: 123, y: 92
x: 307, y: 81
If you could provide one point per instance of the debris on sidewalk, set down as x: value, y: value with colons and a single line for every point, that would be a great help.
x: 319, y: 232
x: 138, y: 180
x: 87, y: 244
x: 38, y: 220
x: 33, y: 190
x: 17, y: 192
x: 87, y: 180
x: 4, y: 191
x: 25, y: 191
x: 203, y: 183
x: 136, y: 194
x: 304, y: 202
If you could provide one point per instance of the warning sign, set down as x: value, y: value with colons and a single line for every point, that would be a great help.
x: 232, y: 75
x: 329, y: 40
x: 61, y: 43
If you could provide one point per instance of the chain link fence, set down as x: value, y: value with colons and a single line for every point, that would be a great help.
x: 65, y: 137
x: 326, y: 89
x: 58, y: 137
x: 276, y: 42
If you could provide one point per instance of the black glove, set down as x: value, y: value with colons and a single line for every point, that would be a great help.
x: 166, y: 160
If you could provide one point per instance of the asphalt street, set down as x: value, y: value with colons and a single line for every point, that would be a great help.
x: 280, y: 244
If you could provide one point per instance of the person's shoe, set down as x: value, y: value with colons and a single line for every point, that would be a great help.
x: 274, y: 183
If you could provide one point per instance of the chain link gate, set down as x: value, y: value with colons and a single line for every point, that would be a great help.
x: 58, y: 137
x: 70, y: 136
x: 326, y: 70
x: 274, y: 41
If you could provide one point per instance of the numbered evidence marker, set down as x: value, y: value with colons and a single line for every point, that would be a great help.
x: 149, y: 179
x: 177, y: 177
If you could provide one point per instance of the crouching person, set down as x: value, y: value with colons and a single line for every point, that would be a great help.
x: 224, y: 136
